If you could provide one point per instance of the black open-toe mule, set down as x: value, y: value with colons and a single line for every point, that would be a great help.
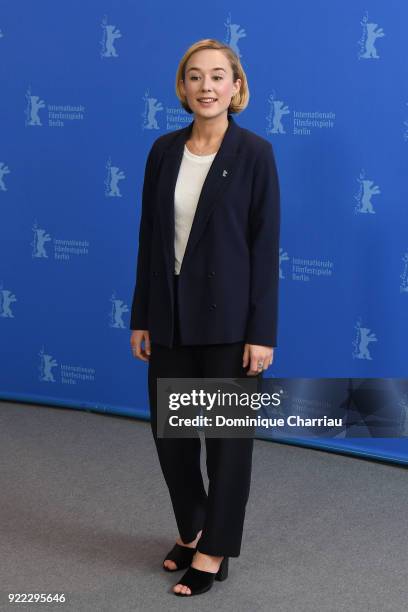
x: 181, y: 555
x: 199, y: 581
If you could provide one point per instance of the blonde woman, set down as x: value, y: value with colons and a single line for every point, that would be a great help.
x: 205, y: 302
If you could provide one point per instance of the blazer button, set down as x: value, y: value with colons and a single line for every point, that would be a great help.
x: 211, y: 274
x: 213, y: 305
x: 155, y: 273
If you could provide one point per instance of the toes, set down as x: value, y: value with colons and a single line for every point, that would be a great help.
x: 182, y: 588
x: 170, y: 564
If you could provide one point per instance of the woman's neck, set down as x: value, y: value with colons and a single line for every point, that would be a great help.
x: 206, y: 133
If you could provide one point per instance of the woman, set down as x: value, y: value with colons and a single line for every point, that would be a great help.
x: 206, y: 294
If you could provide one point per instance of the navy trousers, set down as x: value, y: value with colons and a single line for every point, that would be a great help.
x: 219, y: 513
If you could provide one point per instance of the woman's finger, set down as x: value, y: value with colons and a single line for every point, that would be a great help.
x: 245, y: 357
x: 147, y: 343
x: 139, y: 352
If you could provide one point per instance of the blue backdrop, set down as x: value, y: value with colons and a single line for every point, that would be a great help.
x: 86, y: 89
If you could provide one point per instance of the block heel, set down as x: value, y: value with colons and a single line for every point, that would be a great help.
x: 222, y: 573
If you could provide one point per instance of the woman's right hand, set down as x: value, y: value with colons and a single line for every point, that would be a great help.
x: 138, y: 336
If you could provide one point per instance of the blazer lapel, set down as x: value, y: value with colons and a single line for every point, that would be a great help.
x: 218, y: 177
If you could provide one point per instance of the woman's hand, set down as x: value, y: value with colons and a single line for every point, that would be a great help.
x: 136, y: 339
x: 254, y: 353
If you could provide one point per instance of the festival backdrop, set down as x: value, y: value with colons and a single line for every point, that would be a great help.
x: 86, y: 89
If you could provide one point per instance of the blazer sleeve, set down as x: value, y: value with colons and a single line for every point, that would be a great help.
x: 139, y: 311
x: 264, y: 231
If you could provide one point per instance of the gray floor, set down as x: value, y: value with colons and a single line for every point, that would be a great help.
x: 84, y: 511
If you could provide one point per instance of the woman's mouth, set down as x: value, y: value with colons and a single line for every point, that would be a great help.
x: 206, y: 101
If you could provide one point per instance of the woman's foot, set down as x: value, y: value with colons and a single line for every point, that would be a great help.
x: 206, y: 563
x: 170, y: 564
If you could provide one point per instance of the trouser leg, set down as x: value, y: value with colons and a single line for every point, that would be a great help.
x: 179, y: 457
x: 229, y: 464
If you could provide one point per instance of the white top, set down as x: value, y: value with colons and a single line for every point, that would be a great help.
x: 192, y: 174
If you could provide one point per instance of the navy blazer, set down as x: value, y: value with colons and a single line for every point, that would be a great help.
x: 228, y: 283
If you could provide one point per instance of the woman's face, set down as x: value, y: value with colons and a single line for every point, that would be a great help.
x: 208, y: 74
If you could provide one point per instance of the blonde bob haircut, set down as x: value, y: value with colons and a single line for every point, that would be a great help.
x: 238, y: 102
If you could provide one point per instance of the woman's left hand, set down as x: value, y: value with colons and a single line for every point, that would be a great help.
x: 254, y: 355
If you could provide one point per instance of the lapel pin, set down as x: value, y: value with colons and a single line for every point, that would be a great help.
x: 224, y: 173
